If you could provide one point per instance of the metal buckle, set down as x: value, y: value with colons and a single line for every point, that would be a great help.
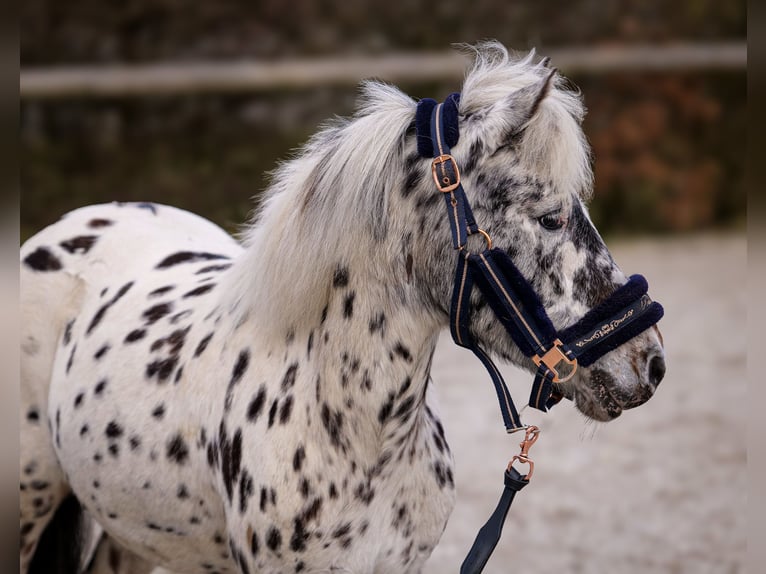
x: 554, y: 357
x: 530, y: 438
x: 443, y: 183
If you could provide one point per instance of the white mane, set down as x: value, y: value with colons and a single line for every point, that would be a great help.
x: 554, y: 142
x: 335, y: 202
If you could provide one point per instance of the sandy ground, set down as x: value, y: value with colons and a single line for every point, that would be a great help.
x: 662, y: 489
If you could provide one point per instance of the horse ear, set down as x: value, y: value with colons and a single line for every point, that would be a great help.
x: 522, y: 105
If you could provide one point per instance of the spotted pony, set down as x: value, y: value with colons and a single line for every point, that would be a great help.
x: 266, y: 406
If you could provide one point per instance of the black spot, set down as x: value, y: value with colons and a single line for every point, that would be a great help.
x: 187, y: 257
x: 377, y: 323
x: 68, y: 332
x: 203, y: 344
x: 84, y: 430
x: 286, y: 410
x: 256, y: 405
x: 105, y: 307
x: 403, y: 352
x: 114, y: 450
x: 159, y: 411
x: 135, y: 335
x: 289, y: 379
x: 42, y: 260
x: 135, y: 442
x: 99, y: 388
x: 157, y: 312
x: 333, y: 491
x: 298, y: 458
x: 175, y: 341
x: 274, y: 539
x: 162, y: 368
x: 243, y: 360
x: 348, y: 305
x: 71, y: 358
x: 245, y: 491
x: 80, y: 244
x: 273, y: 412
x: 182, y: 493
x: 33, y: 415
x: 99, y: 223
x: 333, y: 424
x: 386, y: 408
x: 310, y: 345
x: 405, y: 408
x: 209, y: 268
x: 78, y: 400
x: 113, y: 430
x: 231, y: 458
x: 177, y: 451
x: 101, y: 352
x: 161, y: 290
x: 201, y: 290
x: 264, y: 499
x: 340, y: 277
x: 342, y: 530
x: 39, y: 485
x: 365, y: 492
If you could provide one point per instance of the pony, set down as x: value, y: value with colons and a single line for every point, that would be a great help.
x: 266, y: 406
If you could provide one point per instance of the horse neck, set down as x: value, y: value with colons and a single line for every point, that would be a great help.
x: 362, y: 345
x: 373, y: 357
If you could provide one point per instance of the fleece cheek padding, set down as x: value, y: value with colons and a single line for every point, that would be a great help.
x: 646, y: 319
x: 612, y: 309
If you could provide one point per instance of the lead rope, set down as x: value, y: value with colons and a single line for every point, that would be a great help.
x: 489, y: 534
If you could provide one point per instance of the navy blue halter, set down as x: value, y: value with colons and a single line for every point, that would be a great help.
x: 626, y: 313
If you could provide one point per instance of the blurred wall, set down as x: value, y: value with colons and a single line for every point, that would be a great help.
x: 669, y: 147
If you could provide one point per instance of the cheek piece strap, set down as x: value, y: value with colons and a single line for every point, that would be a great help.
x: 624, y: 314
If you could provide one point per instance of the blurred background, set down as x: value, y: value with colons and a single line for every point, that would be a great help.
x: 668, y: 140
x: 191, y: 104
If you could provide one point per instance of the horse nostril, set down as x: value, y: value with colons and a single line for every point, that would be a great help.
x: 656, y: 370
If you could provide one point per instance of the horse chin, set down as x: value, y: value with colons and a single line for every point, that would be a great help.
x: 594, y: 399
x: 598, y: 411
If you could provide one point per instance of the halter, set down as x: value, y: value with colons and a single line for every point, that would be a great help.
x: 557, y: 354
x: 626, y: 313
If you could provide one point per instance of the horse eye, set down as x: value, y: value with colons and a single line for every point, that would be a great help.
x: 552, y: 221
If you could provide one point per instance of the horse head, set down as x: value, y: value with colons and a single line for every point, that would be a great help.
x: 525, y: 168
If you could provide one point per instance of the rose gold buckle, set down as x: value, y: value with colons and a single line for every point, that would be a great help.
x: 553, y: 357
x: 530, y: 438
x: 443, y: 183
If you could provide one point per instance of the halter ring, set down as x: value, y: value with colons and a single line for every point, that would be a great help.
x: 484, y: 234
x: 444, y: 183
x: 554, y: 357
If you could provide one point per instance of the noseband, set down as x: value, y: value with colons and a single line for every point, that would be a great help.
x: 624, y: 314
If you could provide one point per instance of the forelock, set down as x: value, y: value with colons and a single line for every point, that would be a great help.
x: 553, y: 144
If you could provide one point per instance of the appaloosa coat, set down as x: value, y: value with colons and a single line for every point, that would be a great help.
x: 267, y: 406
